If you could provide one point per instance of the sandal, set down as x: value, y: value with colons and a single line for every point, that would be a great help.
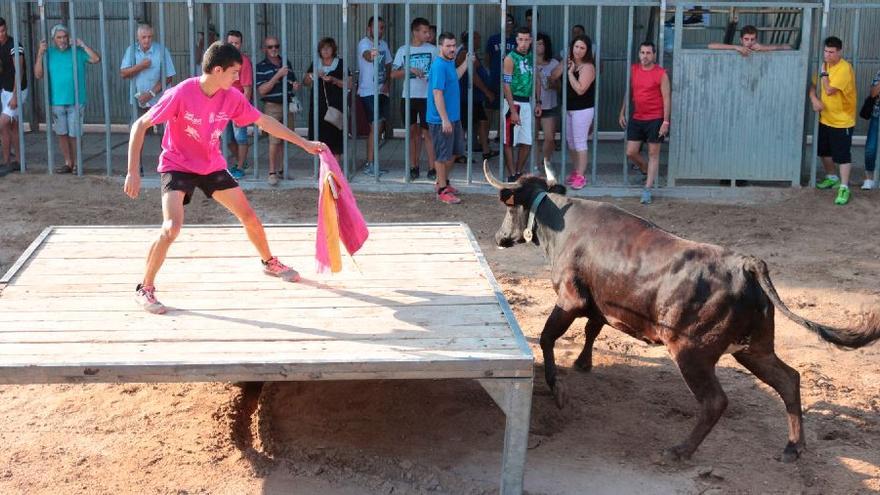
x: 64, y: 169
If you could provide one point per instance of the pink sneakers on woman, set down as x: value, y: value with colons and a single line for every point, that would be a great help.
x: 146, y: 298
x: 576, y: 180
x: 275, y: 268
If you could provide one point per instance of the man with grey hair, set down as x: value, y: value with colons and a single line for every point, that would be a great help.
x: 59, y: 65
x: 144, y: 63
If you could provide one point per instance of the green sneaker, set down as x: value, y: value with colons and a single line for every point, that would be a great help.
x: 842, y: 196
x: 828, y: 183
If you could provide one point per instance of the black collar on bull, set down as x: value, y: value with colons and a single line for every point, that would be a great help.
x: 529, y: 233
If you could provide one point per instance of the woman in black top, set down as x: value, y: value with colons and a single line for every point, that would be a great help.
x: 580, y: 102
x: 330, y: 92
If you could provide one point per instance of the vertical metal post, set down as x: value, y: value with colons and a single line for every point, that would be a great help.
x: 472, y: 131
x: 224, y: 139
x: 105, y: 90
x: 662, y: 32
x: 316, y: 61
x: 76, y: 75
x: 19, y: 70
x: 826, y: 8
x: 566, y: 33
x: 47, y: 107
x: 192, y: 36
x: 626, y: 94
x: 354, y: 92
x: 284, y: 107
x: 678, y: 36
x: 406, y: 84
x: 534, y: 102
x: 132, y: 35
x: 597, y: 53
x: 501, y: 119
x: 346, y: 90
x: 163, y: 72
x: 439, y: 15
x: 376, y: 91
x: 256, y: 130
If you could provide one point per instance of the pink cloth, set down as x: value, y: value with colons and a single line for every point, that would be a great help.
x: 352, y: 227
x: 246, y: 75
x: 195, y: 123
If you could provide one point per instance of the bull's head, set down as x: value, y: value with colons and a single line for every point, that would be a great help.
x: 518, y: 197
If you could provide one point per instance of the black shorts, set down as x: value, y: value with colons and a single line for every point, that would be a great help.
x: 418, y: 108
x: 835, y: 142
x: 644, y: 130
x: 187, y: 183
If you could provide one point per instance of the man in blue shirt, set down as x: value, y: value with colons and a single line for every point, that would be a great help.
x: 144, y: 63
x: 444, y: 114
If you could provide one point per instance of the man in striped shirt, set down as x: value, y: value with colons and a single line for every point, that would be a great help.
x: 270, y: 76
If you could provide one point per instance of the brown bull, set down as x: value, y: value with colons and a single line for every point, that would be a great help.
x: 699, y: 300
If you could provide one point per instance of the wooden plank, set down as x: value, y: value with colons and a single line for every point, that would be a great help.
x: 416, y: 314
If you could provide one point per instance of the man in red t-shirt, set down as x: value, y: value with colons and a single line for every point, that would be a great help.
x: 195, y: 113
x: 237, y: 137
x: 651, y: 97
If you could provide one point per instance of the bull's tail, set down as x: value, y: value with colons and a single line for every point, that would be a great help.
x: 866, y: 332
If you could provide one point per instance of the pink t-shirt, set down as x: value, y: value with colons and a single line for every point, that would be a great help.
x: 246, y: 75
x: 194, y: 125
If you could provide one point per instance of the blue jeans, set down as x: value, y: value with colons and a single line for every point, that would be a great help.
x: 871, y: 146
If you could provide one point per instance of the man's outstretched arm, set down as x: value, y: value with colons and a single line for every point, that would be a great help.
x: 278, y: 130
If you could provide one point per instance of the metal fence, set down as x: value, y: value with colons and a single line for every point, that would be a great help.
x: 616, y: 27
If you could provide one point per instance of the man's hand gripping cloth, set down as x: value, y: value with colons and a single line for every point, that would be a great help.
x: 338, y: 217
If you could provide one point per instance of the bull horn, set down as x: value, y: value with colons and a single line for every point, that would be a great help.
x: 493, y: 181
x: 551, y: 174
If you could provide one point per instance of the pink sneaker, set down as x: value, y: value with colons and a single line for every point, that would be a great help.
x: 145, y: 296
x: 448, y: 197
x: 449, y: 187
x: 576, y: 181
x: 278, y: 269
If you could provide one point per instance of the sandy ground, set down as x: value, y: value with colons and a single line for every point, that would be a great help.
x: 340, y: 438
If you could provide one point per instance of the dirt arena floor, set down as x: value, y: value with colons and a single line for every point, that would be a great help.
x: 339, y: 438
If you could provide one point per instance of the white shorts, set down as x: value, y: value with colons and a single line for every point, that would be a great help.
x: 522, y: 132
x: 578, y: 133
x: 6, y: 96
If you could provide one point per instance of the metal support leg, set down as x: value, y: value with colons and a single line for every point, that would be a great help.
x: 514, y: 397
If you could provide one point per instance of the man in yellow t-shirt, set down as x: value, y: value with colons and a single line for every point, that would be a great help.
x: 836, y: 104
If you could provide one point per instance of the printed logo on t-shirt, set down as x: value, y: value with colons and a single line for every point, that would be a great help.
x: 191, y: 118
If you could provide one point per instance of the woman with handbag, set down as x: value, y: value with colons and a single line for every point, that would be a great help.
x: 874, y: 123
x: 330, y: 93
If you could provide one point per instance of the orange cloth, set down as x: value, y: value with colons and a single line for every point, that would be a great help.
x: 330, y: 219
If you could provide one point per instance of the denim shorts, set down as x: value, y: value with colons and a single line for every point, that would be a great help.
x: 67, y: 120
x: 236, y: 134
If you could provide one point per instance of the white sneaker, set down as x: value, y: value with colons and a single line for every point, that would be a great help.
x: 868, y: 184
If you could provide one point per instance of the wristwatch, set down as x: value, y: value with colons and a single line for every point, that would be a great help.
x: 823, y: 74
x: 153, y: 94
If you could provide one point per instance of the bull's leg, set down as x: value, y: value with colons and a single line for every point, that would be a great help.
x: 556, y: 325
x: 787, y: 383
x: 699, y: 374
x: 584, y: 362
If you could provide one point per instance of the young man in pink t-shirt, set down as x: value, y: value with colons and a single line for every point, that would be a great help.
x: 652, y: 102
x: 195, y: 113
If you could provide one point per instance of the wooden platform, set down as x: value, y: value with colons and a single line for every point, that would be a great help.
x: 421, y: 303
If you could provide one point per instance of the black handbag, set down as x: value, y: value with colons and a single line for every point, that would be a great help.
x: 867, y: 110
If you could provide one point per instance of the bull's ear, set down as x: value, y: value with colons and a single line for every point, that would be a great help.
x: 506, y: 196
x: 557, y: 189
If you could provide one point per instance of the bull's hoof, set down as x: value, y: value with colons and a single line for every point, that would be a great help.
x: 676, y: 454
x: 584, y: 366
x: 791, y: 453
x: 559, y: 395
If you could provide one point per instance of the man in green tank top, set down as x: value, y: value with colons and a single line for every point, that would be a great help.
x: 519, y: 118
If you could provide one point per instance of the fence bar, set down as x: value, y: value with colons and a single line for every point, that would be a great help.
x: 503, y: 47
x: 132, y: 35
x: 285, y: 108
x: 192, y: 36
x: 661, y: 32
x: 163, y: 69
x: 407, y: 120
x: 254, y: 93
x: 439, y: 15
x: 16, y: 61
x: 826, y: 7
x: 597, y: 53
x: 105, y: 90
x: 315, y: 83
x: 534, y: 101
x: 224, y: 139
x: 376, y: 92
x: 472, y: 131
x: 346, y: 91
x: 563, y: 130
x: 76, y: 96
x: 626, y: 95
x: 47, y: 108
